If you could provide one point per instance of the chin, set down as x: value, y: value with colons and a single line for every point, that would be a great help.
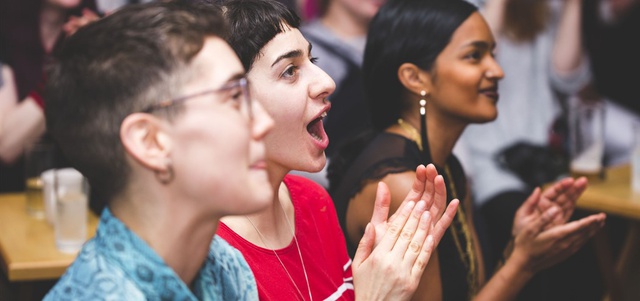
x: 318, y: 164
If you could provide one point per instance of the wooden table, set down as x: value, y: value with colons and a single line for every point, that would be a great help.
x: 614, y: 196
x: 27, y: 246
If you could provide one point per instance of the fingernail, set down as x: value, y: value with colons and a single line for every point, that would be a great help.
x: 421, y: 205
x: 409, y: 206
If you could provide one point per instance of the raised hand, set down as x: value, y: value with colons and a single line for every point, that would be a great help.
x: 404, y: 242
x: 427, y: 186
x: 540, y: 242
x: 565, y: 194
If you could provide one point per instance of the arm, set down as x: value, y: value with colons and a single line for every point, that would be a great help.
x: 20, y: 123
x: 394, y: 268
x: 567, y: 50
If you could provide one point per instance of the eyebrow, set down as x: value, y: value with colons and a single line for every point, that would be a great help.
x: 288, y: 55
x: 235, y: 77
x: 481, y: 45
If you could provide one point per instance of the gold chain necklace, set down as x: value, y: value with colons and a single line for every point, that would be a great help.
x: 304, y: 269
x: 470, y: 262
x: 411, y: 131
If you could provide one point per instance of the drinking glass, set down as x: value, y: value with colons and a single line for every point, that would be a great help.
x: 71, y: 192
x: 586, y: 135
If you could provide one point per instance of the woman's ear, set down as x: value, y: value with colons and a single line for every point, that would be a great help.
x: 146, y: 140
x: 414, y: 79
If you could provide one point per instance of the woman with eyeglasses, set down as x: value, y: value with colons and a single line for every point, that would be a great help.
x: 295, y: 246
x: 151, y: 105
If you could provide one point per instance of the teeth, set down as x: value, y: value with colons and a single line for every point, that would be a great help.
x: 323, y: 115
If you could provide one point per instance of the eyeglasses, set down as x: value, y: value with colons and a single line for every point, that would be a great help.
x: 237, y: 90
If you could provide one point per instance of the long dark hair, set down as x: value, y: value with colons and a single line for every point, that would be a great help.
x: 403, y: 31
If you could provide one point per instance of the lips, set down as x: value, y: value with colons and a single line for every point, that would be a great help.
x: 259, y: 165
x: 491, y: 92
x: 315, y: 128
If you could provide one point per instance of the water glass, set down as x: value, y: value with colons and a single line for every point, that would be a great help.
x: 586, y: 135
x: 71, y: 192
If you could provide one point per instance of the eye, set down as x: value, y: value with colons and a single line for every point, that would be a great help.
x: 235, y: 96
x: 290, y: 72
x: 474, y: 55
x: 313, y: 60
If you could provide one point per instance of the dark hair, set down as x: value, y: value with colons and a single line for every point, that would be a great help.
x: 114, y: 67
x: 405, y: 31
x: 253, y: 23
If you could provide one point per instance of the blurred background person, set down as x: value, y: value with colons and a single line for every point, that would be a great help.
x: 29, y: 31
x: 610, y: 29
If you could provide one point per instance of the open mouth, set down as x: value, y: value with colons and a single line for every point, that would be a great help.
x: 316, y: 128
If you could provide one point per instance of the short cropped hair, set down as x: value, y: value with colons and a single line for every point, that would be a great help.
x: 405, y: 31
x: 253, y: 23
x: 117, y: 66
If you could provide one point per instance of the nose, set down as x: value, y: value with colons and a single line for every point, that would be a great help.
x: 494, y: 71
x: 321, y: 84
x: 262, y: 121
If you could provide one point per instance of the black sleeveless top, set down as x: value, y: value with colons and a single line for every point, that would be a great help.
x: 391, y: 153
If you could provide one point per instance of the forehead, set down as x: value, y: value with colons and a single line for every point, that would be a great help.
x: 473, y: 29
x: 288, y: 40
x: 216, y: 63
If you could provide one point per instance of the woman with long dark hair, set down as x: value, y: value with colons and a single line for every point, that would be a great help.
x: 429, y: 72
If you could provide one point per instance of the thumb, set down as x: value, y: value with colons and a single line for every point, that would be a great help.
x: 530, y: 204
x: 365, y: 247
x: 381, y: 205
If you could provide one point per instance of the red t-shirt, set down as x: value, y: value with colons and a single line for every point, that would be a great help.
x: 322, y: 246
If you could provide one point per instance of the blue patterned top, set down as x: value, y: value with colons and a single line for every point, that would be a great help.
x: 118, y: 265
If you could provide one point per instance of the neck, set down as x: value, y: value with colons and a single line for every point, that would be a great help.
x: 52, y: 19
x: 344, y: 23
x: 180, y: 234
x: 441, y: 133
x: 271, y: 222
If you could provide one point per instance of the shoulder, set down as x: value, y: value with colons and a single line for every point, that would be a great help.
x: 233, y: 277
x: 92, y: 277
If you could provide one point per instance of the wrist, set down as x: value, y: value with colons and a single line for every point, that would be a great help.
x: 518, y: 265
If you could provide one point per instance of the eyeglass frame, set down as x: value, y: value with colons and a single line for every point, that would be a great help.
x: 241, y: 82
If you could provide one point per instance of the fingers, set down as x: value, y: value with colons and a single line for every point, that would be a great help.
x: 417, y: 189
x: 381, y: 205
x: 430, y: 186
x: 409, y: 231
x: 529, y: 206
x: 537, y: 225
x: 439, y: 197
x: 365, y: 246
x: 421, y: 247
x: 445, y: 220
x: 585, y: 225
x: 393, y: 231
x: 568, y: 238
